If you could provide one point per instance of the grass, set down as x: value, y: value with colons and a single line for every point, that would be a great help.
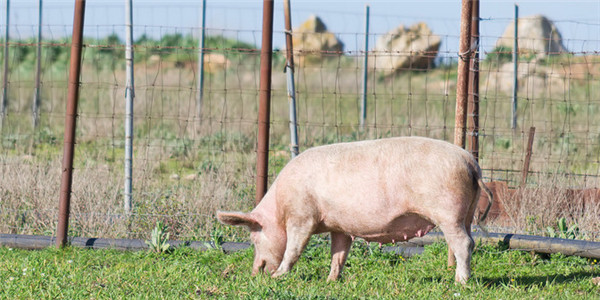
x: 369, y: 274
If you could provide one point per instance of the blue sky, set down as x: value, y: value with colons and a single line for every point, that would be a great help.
x: 578, y: 21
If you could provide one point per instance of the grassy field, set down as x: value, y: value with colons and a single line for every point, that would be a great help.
x: 369, y: 274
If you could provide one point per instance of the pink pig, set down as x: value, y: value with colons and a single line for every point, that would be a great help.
x: 383, y: 191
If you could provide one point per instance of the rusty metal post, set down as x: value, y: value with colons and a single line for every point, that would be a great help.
x: 4, y: 103
x: 462, y: 84
x: 289, y: 71
x: 473, y: 105
x: 264, y: 108
x: 525, y: 171
x: 70, y: 125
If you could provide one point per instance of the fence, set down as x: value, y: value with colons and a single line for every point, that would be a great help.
x: 186, y: 166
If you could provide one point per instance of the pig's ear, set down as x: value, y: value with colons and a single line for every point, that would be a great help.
x: 238, y: 219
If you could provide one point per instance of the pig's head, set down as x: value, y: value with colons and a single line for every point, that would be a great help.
x: 268, y: 239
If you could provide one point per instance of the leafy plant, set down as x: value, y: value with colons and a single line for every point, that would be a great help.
x: 158, y: 240
x: 563, y: 231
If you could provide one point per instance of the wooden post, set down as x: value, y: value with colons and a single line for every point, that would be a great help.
x: 525, y: 171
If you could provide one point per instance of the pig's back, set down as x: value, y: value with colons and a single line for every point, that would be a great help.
x: 369, y: 184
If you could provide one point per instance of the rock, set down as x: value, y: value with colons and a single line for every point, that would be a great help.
x: 312, y: 42
x: 537, y: 35
x: 174, y: 177
x: 191, y: 177
x: 533, y: 79
x: 405, y: 48
x: 214, y: 62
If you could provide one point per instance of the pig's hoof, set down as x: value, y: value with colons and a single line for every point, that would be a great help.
x: 461, y: 280
x: 278, y: 273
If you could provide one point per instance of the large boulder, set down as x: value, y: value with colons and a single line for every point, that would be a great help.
x: 405, y: 48
x: 312, y: 42
x: 537, y: 36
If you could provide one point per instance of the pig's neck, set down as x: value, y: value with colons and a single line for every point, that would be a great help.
x: 267, y: 211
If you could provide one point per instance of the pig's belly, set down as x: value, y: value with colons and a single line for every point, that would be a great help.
x: 399, y: 229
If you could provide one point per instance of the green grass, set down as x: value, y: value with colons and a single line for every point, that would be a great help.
x: 369, y: 274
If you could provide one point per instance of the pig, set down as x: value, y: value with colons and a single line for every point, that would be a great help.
x: 386, y: 191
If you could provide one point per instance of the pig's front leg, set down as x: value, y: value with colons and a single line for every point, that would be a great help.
x: 298, y: 235
x: 340, y: 246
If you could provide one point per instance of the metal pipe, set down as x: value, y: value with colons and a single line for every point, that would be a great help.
x: 70, y: 125
x: 200, y: 84
x: 534, y: 243
x: 289, y: 71
x: 462, y: 84
x: 38, y: 72
x: 515, y: 57
x: 525, y: 171
x: 473, y: 103
x: 363, y: 106
x: 129, y: 97
x: 4, y: 103
x: 264, y: 109
x: 539, y: 244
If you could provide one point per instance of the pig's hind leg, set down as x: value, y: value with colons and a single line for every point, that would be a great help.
x: 298, y: 235
x: 461, y: 245
x: 340, y: 246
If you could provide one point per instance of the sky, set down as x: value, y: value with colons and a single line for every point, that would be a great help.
x: 578, y: 21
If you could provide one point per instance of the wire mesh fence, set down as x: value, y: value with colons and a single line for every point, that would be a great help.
x: 186, y: 166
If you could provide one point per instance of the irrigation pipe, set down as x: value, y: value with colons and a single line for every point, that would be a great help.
x: 537, y: 244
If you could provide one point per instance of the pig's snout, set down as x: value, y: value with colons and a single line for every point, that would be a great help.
x: 259, y: 267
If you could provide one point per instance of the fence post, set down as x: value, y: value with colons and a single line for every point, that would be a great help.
x: 462, y: 84
x: 473, y: 104
x: 200, y: 93
x: 264, y: 109
x: 129, y: 97
x: 70, y: 125
x: 525, y: 171
x: 363, y: 106
x: 4, y: 103
x: 289, y: 71
x: 38, y: 72
x: 515, y: 57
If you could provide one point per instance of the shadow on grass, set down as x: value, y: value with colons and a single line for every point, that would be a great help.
x: 526, y: 280
x: 537, y: 280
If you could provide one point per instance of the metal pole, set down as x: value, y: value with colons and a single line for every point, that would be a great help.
x: 129, y: 96
x: 70, y: 125
x: 363, y: 106
x: 200, y: 93
x: 5, y: 78
x: 38, y: 72
x: 463, y: 73
x: 264, y: 109
x: 289, y: 71
x: 473, y: 104
x: 515, y: 57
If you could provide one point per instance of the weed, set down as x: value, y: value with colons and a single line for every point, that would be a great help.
x: 563, y: 231
x: 158, y: 239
